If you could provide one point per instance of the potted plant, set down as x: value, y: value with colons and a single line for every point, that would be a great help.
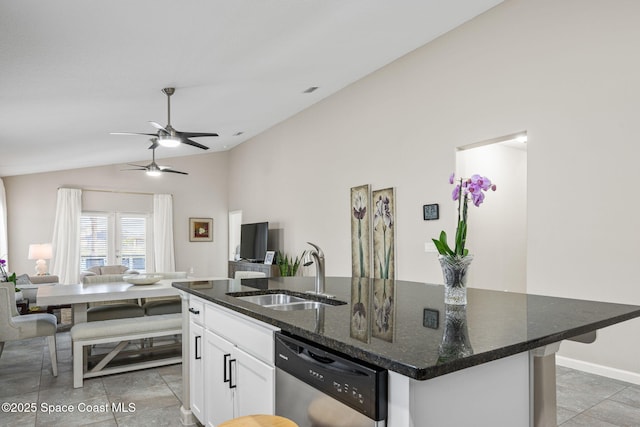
x: 288, y: 266
x: 456, y: 261
x: 5, y: 277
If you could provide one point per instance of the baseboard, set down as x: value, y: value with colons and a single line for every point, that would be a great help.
x: 605, y: 371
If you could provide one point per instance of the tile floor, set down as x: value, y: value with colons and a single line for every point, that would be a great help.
x: 25, y: 377
x: 591, y: 400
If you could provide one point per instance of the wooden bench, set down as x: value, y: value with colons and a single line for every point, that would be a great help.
x: 122, y: 331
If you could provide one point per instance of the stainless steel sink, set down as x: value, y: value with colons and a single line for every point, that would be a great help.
x: 271, y: 299
x: 285, y: 301
x: 304, y: 305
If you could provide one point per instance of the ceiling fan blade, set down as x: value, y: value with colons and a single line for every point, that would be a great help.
x: 154, y: 144
x: 158, y: 126
x: 174, y: 171
x: 190, y: 142
x: 196, y: 134
x: 135, y: 169
x: 132, y: 133
x: 167, y: 134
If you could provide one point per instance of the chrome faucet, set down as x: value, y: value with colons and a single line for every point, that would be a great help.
x: 316, y: 255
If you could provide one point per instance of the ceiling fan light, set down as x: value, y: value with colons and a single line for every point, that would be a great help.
x: 168, y: 141
x: 154, y: 172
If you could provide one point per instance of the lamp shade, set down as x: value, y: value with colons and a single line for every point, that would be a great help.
x: 40, y: 251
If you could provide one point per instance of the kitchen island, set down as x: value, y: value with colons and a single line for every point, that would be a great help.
x: 479, y: 356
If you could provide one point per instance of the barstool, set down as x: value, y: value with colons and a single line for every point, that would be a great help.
x: 259, y: 421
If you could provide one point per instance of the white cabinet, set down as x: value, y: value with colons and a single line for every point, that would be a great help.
x: 219, y: 381
x: 255, y: 393
x: 196, y: 371
x: 196, y: 383
x: 236, y: 383
x: 232, y: 369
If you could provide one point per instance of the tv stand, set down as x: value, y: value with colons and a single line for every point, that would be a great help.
x: 268, y: 270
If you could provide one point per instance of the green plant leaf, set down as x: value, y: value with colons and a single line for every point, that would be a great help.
x: 442, y: 245
x: 439, y: 247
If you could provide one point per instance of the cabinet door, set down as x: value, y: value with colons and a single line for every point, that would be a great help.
x: 218, y: 379
x: 196, y: 383
x: 255, y: 391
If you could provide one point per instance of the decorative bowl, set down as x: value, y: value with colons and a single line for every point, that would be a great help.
x: 142, y: 279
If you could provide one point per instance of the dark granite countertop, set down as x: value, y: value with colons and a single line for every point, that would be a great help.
x: 412, y: 332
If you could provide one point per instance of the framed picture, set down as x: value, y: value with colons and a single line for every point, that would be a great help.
x: 384, y: 226
x: 360, y: 213
x: 430, y: 212
x: 268, y: 258
x: 201, y: 229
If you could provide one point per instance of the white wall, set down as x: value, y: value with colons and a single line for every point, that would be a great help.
x: 565, y: 71
x: 31, y: 201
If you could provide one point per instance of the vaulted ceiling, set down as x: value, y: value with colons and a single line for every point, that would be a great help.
x: 72, y: 71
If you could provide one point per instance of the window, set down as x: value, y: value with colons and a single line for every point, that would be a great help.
x: 115, y: 238
x: 93, y: 241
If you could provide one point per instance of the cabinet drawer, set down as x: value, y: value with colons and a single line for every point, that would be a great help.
x: 196, y: 310
x: 256, y: 338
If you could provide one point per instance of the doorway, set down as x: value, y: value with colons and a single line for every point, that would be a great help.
x: 497, y: 234
x: 235, y: 221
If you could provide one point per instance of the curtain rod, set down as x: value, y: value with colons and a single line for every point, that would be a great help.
x: 113, y: 191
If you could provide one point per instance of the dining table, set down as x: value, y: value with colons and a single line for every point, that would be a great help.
x: 79, y: 295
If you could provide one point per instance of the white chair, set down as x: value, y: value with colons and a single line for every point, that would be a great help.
x: 14, y: 327
x: 249, y: 274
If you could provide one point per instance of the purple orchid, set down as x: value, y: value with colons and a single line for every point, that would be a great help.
x: 467, y: 189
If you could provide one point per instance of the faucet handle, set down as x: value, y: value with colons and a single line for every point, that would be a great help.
x: 320, y: 253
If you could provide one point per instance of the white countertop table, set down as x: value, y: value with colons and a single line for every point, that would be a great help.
x: 79, y: 295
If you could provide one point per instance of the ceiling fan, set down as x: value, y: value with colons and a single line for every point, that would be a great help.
x: 153, y: 169
x: 167, y: 136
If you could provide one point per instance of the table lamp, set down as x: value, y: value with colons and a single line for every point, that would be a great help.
x: 41, y: 252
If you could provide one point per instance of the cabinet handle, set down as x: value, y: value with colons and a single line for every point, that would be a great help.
x: 198, y: 355
x: 227, y: 378
x: 231, y: 384
x: 193, y: 310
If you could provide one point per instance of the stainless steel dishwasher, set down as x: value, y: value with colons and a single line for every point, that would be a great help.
x: 316, y: 387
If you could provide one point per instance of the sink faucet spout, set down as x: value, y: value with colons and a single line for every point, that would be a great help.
x: 318, y: 258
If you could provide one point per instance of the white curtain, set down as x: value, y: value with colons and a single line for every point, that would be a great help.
x: 4, y: 245
x: 164, y: 256
x: 66, y: 236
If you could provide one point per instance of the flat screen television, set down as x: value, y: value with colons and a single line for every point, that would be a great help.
x: 253, y: 241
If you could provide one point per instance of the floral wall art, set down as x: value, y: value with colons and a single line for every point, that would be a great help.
x: 361, y: 231
x: 372, y: 256
x: 384, y: 263
x: 360, y: 262
x: 384, y: 234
